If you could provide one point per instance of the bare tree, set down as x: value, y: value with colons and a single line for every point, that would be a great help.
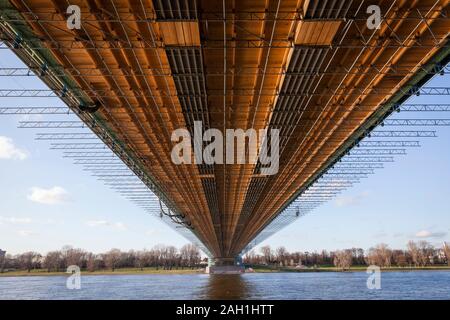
x: 343, y: 259
x: 413, y: 250
x: 325, y: 257
x: 267, y: 254
x: 426, y: 252
x: 171, y: 257
x: 381, y: 255
x: 421, y: 252
x: 2, y: 260
x: 400, y: 258
x: 281, y: 254
x: 153, y: 258
x: 53, y: 261
x: 127, y: 259
x: 29, y: 260
x: 159, y: 255
x: 189, y: 255
x: 112, y: 258
x: 358, y: 256
x: 73, y: 257
x: 141, y: 260
x: 251, y: 257
x: 93, y: 262
x: 385, y: 254
x: 446, y: 249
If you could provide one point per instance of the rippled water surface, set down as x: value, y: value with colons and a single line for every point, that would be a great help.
x: 324, y: 285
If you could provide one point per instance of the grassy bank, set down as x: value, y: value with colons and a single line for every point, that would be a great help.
x: 124, y: 271
x: 257, y: 269
x: 268, y: 269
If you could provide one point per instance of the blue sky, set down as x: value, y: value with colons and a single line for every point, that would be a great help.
x: 47, y: 202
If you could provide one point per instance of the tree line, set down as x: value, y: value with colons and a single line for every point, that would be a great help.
x: 417, y: 254
x: 159, y: 257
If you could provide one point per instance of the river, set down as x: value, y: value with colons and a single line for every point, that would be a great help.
x: 320, y: 285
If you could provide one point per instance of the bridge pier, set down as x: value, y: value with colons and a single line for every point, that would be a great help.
x: 225, y: 265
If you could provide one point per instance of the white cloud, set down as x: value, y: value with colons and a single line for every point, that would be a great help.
x: 53, y: 195
x: 152, y: 232
x: 430, y: 234
x: 104, y: 223
x: 423, y: 234
x: 97, y: 223
x: 26, y: 233
x: 9, y: 151
x: 345, y: 201
x: 13, y: 220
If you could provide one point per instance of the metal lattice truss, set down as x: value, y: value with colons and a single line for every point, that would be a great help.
x: 359, y: 162
x: 118, y: 153
x: 216, y: 15
x: 47, y: 93
x: 64, y: 110
x: 368, y: 69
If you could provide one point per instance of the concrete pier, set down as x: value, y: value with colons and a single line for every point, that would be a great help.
x: 225, y: 269
x: 225, y: 266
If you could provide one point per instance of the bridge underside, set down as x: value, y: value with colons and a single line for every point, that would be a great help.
x: 312, y: 69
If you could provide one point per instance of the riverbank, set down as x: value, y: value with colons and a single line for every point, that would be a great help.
x: 124, y: 271
x: 268, y: 269
x: 256, y: 269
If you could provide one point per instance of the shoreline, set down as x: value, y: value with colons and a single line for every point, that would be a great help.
x: 352, y: 269
x: 152, y: 271
x: 118, y: 272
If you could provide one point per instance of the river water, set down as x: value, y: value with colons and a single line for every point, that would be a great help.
x: 321, y: 285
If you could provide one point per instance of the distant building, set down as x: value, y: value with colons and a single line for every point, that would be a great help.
x: 441, y: 255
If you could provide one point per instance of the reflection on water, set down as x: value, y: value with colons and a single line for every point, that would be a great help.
x: 227, y: 286
x: 292, y: 286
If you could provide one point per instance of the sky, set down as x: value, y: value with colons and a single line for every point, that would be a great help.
x: 47, y: 202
